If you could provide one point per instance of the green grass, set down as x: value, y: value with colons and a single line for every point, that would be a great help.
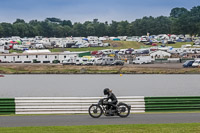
x: 136, y: 128
x: 15, y: 51
x: 79, y: 49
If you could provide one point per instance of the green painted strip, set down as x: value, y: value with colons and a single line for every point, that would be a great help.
x: 178, y: 102
x: 7, y: 110
x: 7, y: 106
x: 7, y: 98
x: 153, y: 104
x: 173, y: 110
x: 174, y: 105
x: 173, y: 97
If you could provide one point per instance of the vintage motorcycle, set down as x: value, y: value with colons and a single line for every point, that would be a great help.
x: 121, y: 109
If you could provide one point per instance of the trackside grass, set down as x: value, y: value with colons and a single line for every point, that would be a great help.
x: 137, y: 128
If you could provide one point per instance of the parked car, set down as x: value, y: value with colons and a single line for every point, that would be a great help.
x: 188, y: 63
x: 196, y: 63
x: 118, y: 62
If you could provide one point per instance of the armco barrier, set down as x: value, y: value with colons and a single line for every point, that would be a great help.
x: 7, y: 106
x: 187, y: 103
x: 60, y: 105
x: 63, y: 105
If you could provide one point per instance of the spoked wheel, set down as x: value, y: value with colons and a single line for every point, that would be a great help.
x: 95, y: 111
x: 123, y: 110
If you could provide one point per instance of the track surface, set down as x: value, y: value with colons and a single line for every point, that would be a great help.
x: 69, y: 120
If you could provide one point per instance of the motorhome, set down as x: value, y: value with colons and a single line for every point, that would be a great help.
x: 39, y: 46
x: 107, y: 61
x: 142, y: 60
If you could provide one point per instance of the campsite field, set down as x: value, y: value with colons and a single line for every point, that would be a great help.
x: 118, y: 45
x: 114, y: 45
x: 136, y: 128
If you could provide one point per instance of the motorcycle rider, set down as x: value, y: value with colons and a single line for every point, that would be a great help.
x: 110, y: 105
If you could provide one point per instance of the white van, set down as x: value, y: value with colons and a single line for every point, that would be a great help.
x: 81, y: 61
x: 98, y: 61
x: 142, y: 60
x: 68, y: 61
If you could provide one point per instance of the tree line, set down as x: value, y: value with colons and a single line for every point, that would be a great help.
x: 180, y: 21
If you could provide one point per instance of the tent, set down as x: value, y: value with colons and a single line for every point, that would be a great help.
x: 14, y: 42
x: 160, y: 54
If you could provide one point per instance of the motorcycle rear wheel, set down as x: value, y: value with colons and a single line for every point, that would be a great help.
x: 95, y: 111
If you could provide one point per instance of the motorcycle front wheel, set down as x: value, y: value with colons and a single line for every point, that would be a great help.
x: 95, y: 111
x: 123, y: 110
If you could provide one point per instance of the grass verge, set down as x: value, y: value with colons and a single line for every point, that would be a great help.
x: 59, y: 69
x: 136, y: 128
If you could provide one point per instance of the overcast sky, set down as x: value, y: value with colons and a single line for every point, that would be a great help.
x: 84, y: 10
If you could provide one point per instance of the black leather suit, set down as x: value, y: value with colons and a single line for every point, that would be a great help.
x: 113, y: 99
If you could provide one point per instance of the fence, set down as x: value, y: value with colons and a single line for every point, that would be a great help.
x: 64, y: 105
x: 59, y: 105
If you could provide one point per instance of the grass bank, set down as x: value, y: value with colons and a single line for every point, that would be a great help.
x: 136, y: 128
x: 68, y: 69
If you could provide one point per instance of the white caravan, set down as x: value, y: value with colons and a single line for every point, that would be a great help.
x: 142, y: 60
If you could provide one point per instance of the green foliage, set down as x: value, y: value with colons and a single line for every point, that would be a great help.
x: 177, y: 12
x: 181, y: 21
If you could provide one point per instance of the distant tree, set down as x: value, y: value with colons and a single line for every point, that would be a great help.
x: 95, y: 21
x: 1, y: 31
x: 67, y: 31
x: 54, y: 20
x: 19, y: 21
x: 67, y: 22
x: 122, y: 28
x: 112, y: 30
x: 34, y: 22
x: 90, y: 30
x: 7, y: 29
x: 79, y: 30
x: 177, y: 12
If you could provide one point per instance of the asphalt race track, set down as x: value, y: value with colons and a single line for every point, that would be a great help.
x: 69, y: 120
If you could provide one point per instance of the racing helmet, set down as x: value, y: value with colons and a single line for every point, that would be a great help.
x: 106, y: 91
